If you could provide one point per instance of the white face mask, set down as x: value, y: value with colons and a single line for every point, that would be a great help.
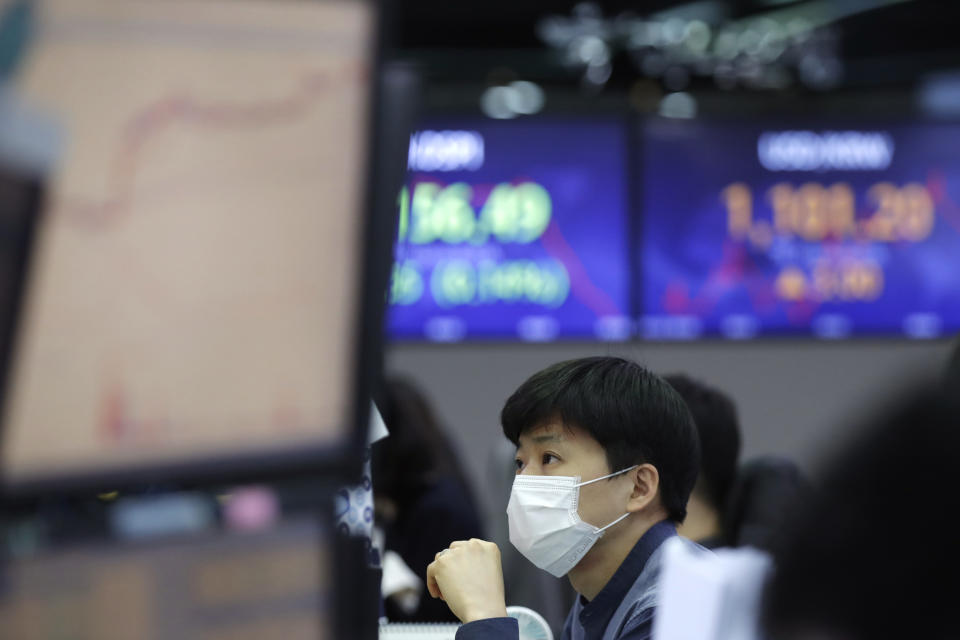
x: 545, y: 525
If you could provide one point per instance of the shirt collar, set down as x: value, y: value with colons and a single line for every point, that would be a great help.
x: 595, y: 614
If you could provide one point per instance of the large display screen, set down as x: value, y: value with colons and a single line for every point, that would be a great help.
x: 830, y: 231
x: 513, y: 230
x: 192, y: 292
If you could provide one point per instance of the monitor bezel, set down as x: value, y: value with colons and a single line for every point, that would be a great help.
x: 342, y: 461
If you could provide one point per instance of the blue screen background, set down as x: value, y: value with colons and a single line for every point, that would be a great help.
x: 699, y: 280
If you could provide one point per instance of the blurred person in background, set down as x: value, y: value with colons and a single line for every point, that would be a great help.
x: 766, y: 493
x: 422, y: 500
x: 607, y: 455
x: 872, y: 555
x: 715, y: 417
x: 733, y: 504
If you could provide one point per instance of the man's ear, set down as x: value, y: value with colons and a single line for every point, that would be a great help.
x: 646, y: 487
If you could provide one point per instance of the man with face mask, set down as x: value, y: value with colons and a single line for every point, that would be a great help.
x: 607, y: 455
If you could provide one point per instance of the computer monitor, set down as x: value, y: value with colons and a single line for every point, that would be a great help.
x: 203, y: 283
x: 216, y: 585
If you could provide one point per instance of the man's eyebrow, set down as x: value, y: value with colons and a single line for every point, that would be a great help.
x: 547, y: 437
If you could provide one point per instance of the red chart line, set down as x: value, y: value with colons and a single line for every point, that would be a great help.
x: 160, y: 116
x: 582, y: 287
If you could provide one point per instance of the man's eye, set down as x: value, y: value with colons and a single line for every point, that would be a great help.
x: 519, y: 464
x: 548, y: 458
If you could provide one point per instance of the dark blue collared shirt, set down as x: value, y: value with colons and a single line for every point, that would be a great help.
x: 624, y: 607
x: 623, y: 610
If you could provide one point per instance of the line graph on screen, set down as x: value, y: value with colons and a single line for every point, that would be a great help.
x: 190, y: 294
x: 156, y: 118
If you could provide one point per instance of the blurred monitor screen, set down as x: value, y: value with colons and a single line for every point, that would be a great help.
x: 193, y: 292
x: 216, y: 586
x: 513, y: 230
x: 826, y: 230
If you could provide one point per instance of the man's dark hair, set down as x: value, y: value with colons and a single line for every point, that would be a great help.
x: 635, y: 416
x: 715, y: 417
x: 870, y: 554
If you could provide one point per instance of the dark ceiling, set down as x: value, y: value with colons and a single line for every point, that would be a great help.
x: 881, y: 43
